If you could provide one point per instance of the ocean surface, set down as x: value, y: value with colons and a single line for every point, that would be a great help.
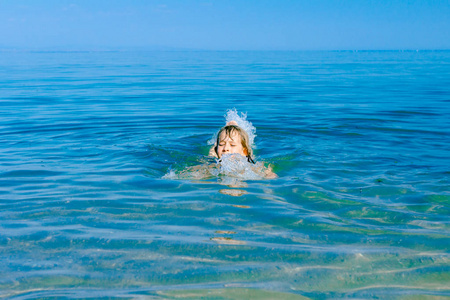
x: 360, y: 142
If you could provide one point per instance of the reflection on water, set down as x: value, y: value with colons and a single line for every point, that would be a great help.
x: 234, y: 192
x: 106, y: 190
x: 227, y: 241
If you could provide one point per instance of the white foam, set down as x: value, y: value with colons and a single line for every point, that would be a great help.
x: 170, y: 175
x: 236, y: 165
x: 230, y: 167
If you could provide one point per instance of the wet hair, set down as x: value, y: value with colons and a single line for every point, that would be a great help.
x: 229, y: 130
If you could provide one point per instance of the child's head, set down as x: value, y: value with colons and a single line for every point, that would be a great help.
x: 232, y: 139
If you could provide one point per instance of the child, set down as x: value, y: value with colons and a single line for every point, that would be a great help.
x: 232, y: 139
x: 233, y: 148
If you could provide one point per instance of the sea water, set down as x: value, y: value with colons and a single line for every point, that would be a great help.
x: 360, y: 142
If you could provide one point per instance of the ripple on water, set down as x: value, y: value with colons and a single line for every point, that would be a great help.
x: 105, y: 190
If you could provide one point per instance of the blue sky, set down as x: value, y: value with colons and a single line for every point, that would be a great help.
x: 226, y: 24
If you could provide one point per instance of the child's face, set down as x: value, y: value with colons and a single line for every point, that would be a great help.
x: 230, y: 144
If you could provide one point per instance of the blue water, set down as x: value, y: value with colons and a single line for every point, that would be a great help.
x: 360, y: 142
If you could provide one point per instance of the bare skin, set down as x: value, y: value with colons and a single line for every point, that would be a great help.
x: 212, y: 152
x: 230, y: 144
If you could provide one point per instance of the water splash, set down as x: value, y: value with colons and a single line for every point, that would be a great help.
x: 232, y: 115
x: 242, y: 122
x: 228, y: 167
x: 236, y: 165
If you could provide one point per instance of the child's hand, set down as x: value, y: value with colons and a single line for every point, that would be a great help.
x: 270, y: 174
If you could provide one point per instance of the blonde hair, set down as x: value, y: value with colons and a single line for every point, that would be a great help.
x: 229, y: 130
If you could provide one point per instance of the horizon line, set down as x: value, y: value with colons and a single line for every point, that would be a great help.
x: 175, y: 49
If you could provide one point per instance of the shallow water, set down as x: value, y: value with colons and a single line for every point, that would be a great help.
x: 359, y: 140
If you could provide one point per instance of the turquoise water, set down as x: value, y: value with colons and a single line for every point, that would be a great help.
x: 360, y: 142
